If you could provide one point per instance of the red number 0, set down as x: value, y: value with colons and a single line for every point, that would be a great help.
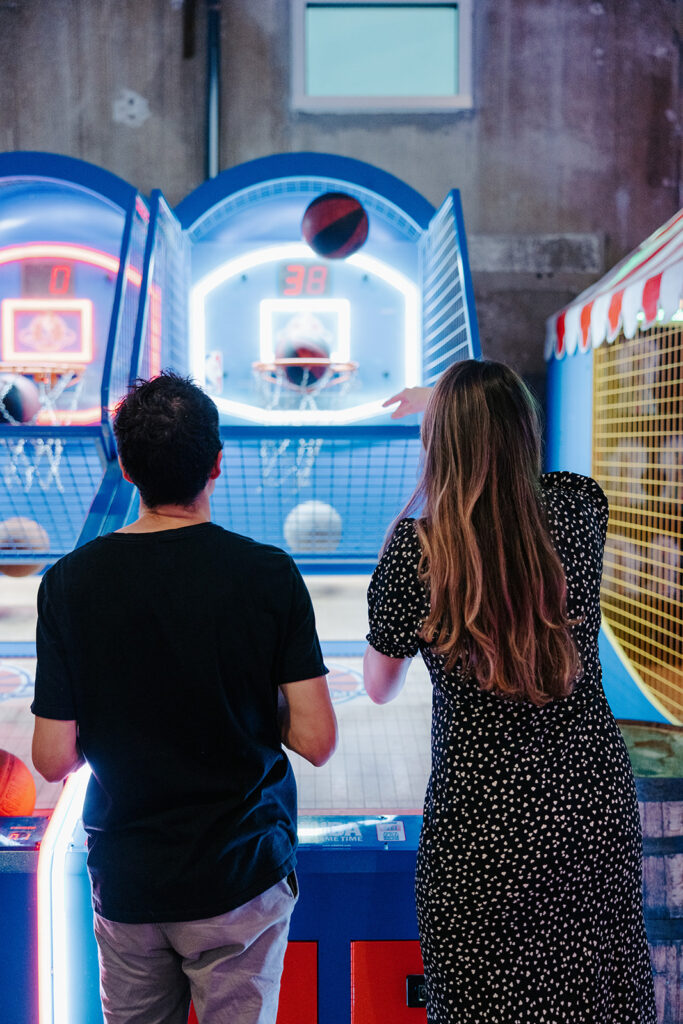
x: 316, y: 280
x: 59, y: 280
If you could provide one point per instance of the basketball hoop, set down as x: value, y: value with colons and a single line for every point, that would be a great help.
x: 297, y: 383
x: 305, y: 377
x: 36, y: 460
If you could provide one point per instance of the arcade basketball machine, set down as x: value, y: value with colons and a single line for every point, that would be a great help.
x: 84, y: 264
x: 320, y: 287
x: 299, y: 346
x: 615, y: 412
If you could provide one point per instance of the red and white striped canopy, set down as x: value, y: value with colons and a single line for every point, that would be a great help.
x: 646, y: 286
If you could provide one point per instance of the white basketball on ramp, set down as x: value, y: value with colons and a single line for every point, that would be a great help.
x: 19, y: 535
x: 313, y: 527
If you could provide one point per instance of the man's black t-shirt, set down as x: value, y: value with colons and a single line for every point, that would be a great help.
x: 168, y: 649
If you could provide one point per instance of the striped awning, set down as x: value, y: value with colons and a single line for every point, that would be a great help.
x: 647, y: 286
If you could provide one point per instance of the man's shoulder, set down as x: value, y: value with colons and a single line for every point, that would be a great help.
x: 79, y: 557
x: 255, y: 551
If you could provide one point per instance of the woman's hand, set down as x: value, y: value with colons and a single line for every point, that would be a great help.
x: 410, y: 400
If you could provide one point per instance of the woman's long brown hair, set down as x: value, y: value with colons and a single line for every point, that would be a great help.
x: 497, y: 587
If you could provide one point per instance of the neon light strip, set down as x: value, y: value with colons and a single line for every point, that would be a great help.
x: 53, y: 995
x: 294, y: 250
x: 69, y: 417
x: 64, y: 250
x: 299, y: 417
x: 155, y: 325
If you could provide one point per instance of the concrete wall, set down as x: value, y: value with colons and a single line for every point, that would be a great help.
x: 570, y: 157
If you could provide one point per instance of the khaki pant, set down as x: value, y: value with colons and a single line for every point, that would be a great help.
x: 229, y: 965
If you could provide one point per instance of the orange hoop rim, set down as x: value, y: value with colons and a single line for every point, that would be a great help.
x: 340, y: 371
x: 42, y: 370
x: 271, y: 364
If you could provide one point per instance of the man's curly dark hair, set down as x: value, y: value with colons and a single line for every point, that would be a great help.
x: 168, y: 438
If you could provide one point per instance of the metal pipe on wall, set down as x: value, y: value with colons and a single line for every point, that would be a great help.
x: 213, y: 83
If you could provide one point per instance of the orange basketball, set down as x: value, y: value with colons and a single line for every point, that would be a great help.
x: 17, y: 788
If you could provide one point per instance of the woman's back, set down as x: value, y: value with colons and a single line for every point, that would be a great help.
x: 528, y: 881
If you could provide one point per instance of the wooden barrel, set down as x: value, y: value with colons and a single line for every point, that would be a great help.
x: 656, y: 752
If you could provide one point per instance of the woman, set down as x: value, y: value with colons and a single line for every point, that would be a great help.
x: 528, y: 883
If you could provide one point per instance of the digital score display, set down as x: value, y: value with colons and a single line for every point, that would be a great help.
x: 303, y: 280
x: 43, y: 278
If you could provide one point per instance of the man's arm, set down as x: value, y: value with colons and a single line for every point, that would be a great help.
x: 56, y: 751
x: 308, y: 724
x: 383, y: 676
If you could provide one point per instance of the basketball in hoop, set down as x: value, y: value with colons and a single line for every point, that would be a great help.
x: 305, y: 373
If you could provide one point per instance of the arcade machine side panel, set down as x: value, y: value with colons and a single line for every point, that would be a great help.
x: 125, y: 346
x: 161, y: 327
x: 449, y: 320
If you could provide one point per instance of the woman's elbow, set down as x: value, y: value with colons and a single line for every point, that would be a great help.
x: 377, y: 695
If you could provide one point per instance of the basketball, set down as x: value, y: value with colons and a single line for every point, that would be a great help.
x: 17, y: 788
x: 313, y: 527
x: 19, y: 398
x: 22, y: 535
x: 304, y: 336
x: 335, y: 225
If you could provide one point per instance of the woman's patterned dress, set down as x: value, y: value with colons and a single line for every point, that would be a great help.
x: 528, y: 882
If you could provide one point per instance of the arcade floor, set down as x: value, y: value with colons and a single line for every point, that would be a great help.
x: 382, y: 760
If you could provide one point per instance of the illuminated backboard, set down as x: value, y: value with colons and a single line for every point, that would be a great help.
x: 46, y: 331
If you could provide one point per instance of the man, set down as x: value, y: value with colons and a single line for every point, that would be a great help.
x: 164, y: 650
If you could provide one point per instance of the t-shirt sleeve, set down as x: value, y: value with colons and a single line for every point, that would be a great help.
x: 397, y: 601
x: 53, y: 692
x: 301, y: 657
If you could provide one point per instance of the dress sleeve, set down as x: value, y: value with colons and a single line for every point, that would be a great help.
x: 397, y: 601
x: 53, y: 691
x: 588, y: 492
x: 301, y: 656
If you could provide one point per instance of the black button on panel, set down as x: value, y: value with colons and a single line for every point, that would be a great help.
x: 416, y: 993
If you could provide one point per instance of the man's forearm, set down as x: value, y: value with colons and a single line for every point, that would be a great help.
x: 56, y: 750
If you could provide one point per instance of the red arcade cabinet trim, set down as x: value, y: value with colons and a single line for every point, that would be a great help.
x: 378, y: 982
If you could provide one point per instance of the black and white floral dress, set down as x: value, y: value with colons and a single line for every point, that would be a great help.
x: 528, y: 883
